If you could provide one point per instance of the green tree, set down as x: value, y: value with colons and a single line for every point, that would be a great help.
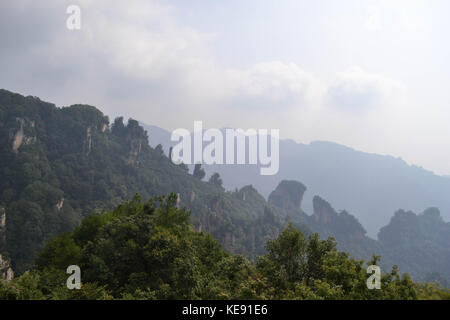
x: 216, y: 180
x: 198, y: 173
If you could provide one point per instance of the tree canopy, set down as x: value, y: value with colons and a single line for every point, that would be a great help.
x: 149, y: 250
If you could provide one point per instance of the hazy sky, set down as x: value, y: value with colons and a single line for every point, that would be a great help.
x: 370, y: 74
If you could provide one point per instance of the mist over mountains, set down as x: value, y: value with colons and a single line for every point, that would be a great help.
x: 371, y: 187
x: 61, y: 165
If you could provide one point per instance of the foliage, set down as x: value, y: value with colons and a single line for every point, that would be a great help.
x: 216, y: 180
x: 199, y: 172
x: 66, y: 173
x: 71, y: 162
x: 149, y: 250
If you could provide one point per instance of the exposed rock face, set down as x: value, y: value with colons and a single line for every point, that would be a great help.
x: 288, y: 195
x: 135, y: 150
x: 341, y: 224
x: 229, y: 241
x: 6, y: 272
x: 19, y: 138
x: 88, y: 141
x: 90, y: 131
x: 2, y: 218
x: 9, y: 275
x: 323, y: 212
x: 60, y: 204
x: 2, y: 229
x: 249, y: 192
x: 136, y: 139
x: 178, y: 200
x: 3, y: 264
x: 287, y: 198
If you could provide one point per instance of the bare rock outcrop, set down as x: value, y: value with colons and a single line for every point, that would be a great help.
x: 20, y: 136
x: 2, y: 229
x: 6, y: 272
x: 288, y: 195
x: 340, y: 224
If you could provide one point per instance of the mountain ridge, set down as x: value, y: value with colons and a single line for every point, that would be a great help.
x: 363, y: 178
x: 62, y: 164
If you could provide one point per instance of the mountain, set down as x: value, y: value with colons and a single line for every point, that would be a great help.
x: 149, y: 250
x: 370, y: 186
x: 419, y: 241
x: 60, y: 165
x: 350, y: 235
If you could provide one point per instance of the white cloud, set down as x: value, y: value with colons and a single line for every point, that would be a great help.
x: 356, y: 89
x: 136, y: 59
x: 272, y: 84
x: 137, y: 54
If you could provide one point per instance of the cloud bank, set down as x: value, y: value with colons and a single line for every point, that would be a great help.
x: 136, y: 58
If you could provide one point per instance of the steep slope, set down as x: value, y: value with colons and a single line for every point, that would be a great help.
x: 344, y: 227
x: 347, y: 178
x: 60, y: 164
x: 417, y: 244
x: 420, y: 242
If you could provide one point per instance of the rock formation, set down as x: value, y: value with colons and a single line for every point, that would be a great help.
x: 6, y: 272
x: 20, y: 137
x: 288, y: 195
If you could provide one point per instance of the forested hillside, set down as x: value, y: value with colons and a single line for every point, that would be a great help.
x: 149, y: 250
x: 60, y: 165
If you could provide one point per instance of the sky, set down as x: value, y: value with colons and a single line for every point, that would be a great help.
x: 370, y: 74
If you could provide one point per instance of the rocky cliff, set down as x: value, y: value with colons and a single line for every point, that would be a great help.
x: 6, y: 271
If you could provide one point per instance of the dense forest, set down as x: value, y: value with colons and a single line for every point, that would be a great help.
x: 66, y: 172
x: 60, y: 164
x: 149, y: 250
